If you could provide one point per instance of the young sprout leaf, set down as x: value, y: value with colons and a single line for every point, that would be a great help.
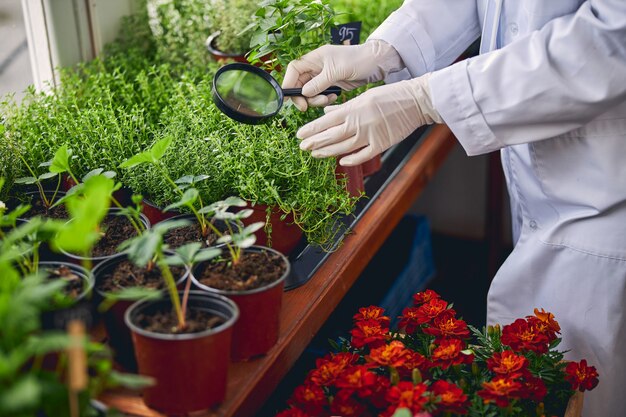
x: 26, y: 180
x: 61, y: 161
x: 187, y: 179
x: 250, y: 229
x: 47, y: 175
x: 189, y: 197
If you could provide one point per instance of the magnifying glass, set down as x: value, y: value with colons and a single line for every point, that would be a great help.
x: 251, y: 95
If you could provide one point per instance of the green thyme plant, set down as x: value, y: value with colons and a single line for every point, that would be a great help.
x: 230, y: 17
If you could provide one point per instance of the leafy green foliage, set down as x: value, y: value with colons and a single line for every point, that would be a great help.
x: 284, y: 30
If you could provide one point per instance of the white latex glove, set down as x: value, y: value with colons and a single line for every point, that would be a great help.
x: 347, y: 66
x: 371, y: 122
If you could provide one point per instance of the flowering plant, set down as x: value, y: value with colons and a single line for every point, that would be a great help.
x: 436, y: 364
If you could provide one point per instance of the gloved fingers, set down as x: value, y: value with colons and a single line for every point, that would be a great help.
x: 319, y: 83
x: 328, y: 137
x: 321, y: 124
x: 343, y: 147
x: 299, y: 72
x: 329, y: 109
x: 359, y: 157
x: 322, y: 100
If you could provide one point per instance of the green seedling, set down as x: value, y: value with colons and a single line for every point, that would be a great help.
x: 149, y: 248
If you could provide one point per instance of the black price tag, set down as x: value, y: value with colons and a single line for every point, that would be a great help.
x: 347, y: 34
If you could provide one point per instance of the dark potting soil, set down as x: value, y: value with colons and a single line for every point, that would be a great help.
x: 254, y: 270
x: 116, y: 230
x: 73, y: 282
x: 189, y: 234
x: 166, y: 322
x: 128, y: 275
x: 38, y: 208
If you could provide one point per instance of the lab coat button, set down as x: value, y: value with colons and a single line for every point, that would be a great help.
x: 514, y: 28
x: 533, y: 224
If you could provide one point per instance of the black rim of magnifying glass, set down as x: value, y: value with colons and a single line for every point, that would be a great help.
x: 238, y: 116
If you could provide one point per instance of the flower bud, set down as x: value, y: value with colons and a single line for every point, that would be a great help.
x: 416, y: 376
x: 394, y: 376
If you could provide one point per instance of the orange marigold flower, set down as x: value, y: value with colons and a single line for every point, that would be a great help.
x: 394, y: 354
x: 424, y: 297
x: 369, y: 332
x: 548, y: 318
x: 522, y: 335
x: 500, y: 390
x: 427, y: 312
x: 542, y: 327
x: 508, y: 363
x: 406, y: 395
x: 533, y: 388
x: 328, y: 368
x: 408, y: 320
x: 412, y: 361
x: 449, y: 353
x: 309, y: 398
x: 451, y: 398
x: 446, y: 325
x: 293, y: 412
x: 345, y: 405
x: 378, y: 398
x: 580, y: 376
x: 357, y: 378
x: 372, y: 313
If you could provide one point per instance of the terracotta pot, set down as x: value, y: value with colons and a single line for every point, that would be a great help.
x: 285, y: 233
x: 354, y: 177
x: 190, y: 369
x: 154, y: 213
x: 118, y: 333
x: 95, y: 260
x: 80, y: 308
x: 372, y: 166
x: 220, y: 56
x: 258, y: 327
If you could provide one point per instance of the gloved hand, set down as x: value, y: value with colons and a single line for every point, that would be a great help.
x: 371, y: 122
x: 348, y: 67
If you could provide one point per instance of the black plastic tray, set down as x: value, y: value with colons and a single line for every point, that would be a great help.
x: 306, y: 259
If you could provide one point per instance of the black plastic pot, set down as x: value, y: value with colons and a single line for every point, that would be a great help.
x: 258, y: 327
x: 118, y: 334
x: 190, y: 369
x: 81, y: 307
x: 95, y: 260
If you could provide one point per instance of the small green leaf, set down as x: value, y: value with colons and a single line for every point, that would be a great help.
x: 189, y: 197
x: 250, y: 229
x: 47, y: 175
x: 61, y: 160
x: 26, y: 180
x: 131, y: 381
x: 159, y: 148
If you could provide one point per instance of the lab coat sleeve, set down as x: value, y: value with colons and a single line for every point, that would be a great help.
x: 430, y: 34
x: 547, y: 83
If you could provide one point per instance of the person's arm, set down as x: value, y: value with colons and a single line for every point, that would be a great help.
x: 430, y: 34
x: 549, y: 82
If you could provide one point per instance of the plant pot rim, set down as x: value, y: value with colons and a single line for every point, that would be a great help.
x: 111, y: 211
x: 212, y: 49
x: 118, y: 257
x: 246, y: 292
x: 86, y: 275
x: 185, y: 336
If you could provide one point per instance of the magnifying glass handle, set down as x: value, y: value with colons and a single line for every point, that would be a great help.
x: 290, y: 92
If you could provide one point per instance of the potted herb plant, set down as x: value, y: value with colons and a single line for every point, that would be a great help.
x: 252, y: 276
x: 230, y: 18
x: 27, y: 387
x: 192, y: 336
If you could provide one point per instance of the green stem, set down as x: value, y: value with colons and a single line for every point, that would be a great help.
x: 171, y: 288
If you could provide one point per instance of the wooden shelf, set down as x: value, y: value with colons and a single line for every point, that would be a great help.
x: 306, y: 308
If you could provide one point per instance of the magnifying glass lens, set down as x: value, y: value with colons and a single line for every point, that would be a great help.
x: 247, y: 93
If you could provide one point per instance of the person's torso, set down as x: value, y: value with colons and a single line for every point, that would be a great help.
x: 569, y: 190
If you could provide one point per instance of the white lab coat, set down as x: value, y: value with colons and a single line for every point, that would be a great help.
x: 549, y: 90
